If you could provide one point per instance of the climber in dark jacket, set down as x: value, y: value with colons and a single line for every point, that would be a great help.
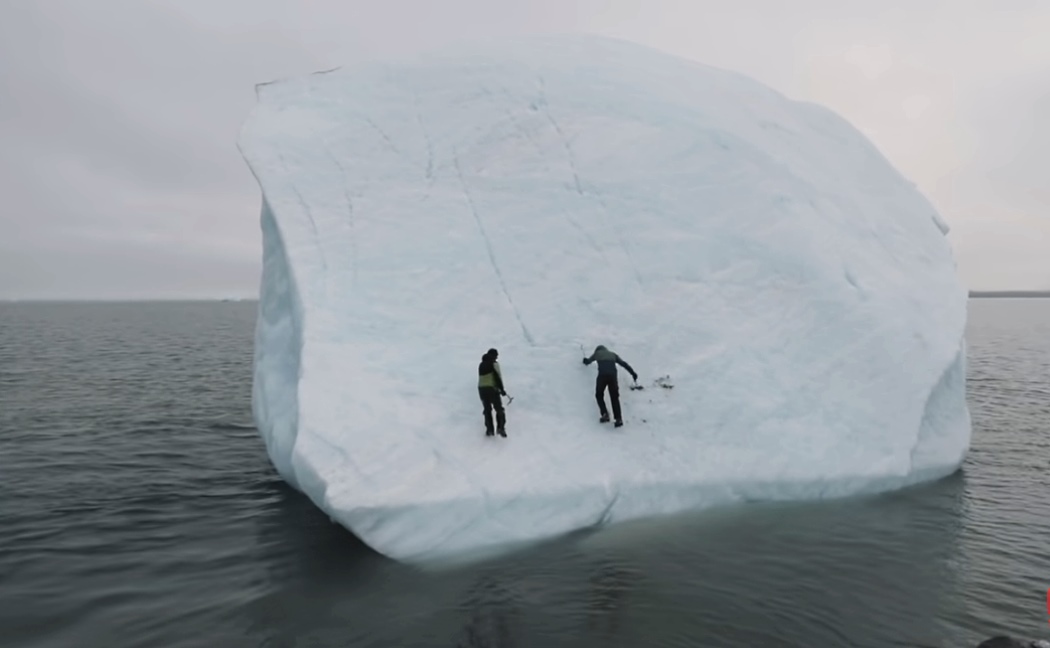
x: 490, y: 388
x: 607, y: 379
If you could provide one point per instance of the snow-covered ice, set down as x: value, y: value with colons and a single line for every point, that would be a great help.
x: 544, y: 196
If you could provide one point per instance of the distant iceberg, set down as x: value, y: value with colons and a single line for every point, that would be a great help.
x: 545, y: 196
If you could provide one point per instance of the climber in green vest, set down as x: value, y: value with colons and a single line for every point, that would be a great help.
x: 490, y: 389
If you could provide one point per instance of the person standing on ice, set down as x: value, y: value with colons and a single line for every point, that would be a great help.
x: 607, y: 379
x: 490, y: 388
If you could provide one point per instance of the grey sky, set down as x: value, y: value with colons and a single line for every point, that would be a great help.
x: 120, y: 175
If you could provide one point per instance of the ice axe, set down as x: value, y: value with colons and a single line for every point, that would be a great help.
x: 510, y: 399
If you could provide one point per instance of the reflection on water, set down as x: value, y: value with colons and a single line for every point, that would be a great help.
x: 863, y: 572
x: 610, y: 587
x: 492, y: 615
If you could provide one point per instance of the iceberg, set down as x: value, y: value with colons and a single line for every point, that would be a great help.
x: 790, y: 301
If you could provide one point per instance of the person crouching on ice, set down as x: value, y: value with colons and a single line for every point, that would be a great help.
x: 607, y: 361
x: 490, y: 388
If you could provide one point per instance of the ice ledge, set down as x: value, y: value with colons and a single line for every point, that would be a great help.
x: 495, y: 516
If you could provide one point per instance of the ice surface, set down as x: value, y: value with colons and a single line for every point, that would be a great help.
x: 545, y: 196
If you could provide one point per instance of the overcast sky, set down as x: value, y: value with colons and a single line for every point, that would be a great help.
x: 120, y: 176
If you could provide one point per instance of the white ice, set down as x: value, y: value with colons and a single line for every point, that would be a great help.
x: 545, y: 196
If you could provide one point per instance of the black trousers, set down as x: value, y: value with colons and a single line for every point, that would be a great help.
x: 608, y: 381
x: 490, y: 398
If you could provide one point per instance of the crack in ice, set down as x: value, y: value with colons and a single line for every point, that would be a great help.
x: 491, y: 253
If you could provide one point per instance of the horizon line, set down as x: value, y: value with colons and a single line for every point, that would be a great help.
x: 984, y: 293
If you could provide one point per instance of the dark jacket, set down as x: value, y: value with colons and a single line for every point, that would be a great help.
x: 607, y: 361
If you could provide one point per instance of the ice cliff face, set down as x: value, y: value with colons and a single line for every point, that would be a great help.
x: 545, y: 196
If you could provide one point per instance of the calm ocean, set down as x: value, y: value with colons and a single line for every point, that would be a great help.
x: 138, y: 508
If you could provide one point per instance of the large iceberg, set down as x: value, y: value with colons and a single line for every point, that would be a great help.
x: 543, y: 196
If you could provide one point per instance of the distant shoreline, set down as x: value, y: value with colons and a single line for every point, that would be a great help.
x: 996, y: 294
x: 974, y: 294
x: 131, y: 300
